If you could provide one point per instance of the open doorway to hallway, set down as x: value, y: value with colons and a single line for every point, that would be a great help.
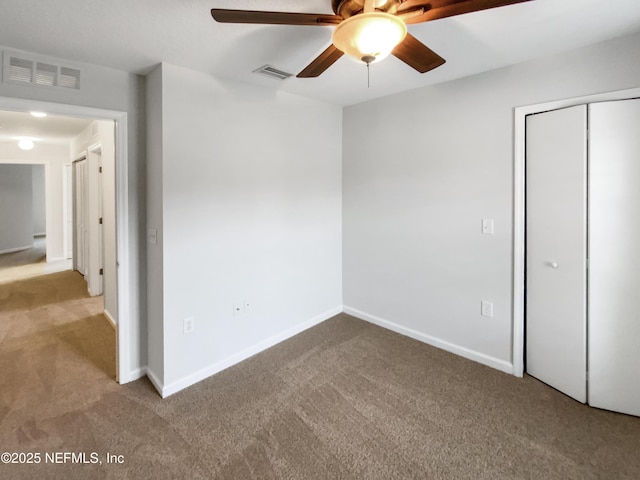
x: 45, y: 173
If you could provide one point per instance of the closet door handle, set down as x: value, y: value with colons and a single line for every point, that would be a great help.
x: 553, y: 265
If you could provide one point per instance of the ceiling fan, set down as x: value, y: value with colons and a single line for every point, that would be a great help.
x: 369, y: 30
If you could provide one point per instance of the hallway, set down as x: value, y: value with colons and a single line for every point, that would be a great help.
x: 53, y: 341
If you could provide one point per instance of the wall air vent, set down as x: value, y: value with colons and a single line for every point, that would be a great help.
x: 46, y: 74
x: 273, y: 72
x: 69, y: 78
x: 28, y: 69
x: 20, y: 70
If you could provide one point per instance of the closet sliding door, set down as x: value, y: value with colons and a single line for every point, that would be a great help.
x: 614, y: 254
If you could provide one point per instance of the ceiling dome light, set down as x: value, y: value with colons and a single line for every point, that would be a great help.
x: 25, y: 143
x: 38, y: 114
x: 369, y: 37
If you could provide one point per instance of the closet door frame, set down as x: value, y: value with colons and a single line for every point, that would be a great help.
x: 519, y: 254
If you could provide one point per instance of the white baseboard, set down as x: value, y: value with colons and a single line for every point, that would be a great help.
x: 55, y: 259
x: 174, y: 387
x: 112, y: 321
x: 155, y: 381
x: 134, y: 375
x: 482, y: 358
x: 17, y: 249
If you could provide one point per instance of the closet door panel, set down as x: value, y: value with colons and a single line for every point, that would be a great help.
x: 614, y: 254
x: 556, y: 185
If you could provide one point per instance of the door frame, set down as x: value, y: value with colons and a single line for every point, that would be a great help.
x: 125, y: 370
x: 519, y: 216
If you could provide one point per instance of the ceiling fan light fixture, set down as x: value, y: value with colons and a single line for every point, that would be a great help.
x: 369, y: 35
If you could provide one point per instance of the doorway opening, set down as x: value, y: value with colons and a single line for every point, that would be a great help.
x: 119, y: 276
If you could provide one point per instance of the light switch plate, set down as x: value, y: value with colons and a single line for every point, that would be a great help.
x: 486, y: 308
x: 487, y: 226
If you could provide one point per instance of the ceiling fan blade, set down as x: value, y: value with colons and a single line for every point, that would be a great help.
x: 418, y: 11
x: 321, y: 63
x: 273, y: 18
x: 417, y: 55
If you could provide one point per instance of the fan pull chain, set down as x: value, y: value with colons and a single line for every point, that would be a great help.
x: 368, y: 59
x: 368, y: 80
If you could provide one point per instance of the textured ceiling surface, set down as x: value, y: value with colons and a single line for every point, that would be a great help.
x: 135, y: 35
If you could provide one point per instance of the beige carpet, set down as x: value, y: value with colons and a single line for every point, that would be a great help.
x: 343, y: 400
x: 31, y: 262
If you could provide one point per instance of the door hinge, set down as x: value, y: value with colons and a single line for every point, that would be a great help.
x: 100, y: 169
x: 100, y: 221
x: 101, y: 271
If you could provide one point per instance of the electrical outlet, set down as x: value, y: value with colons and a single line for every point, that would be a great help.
x: 188, y: 325
x: 486, y: 309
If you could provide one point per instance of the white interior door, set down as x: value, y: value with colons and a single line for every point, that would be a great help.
x: 614, y: 252
x: 556, y: 188
x: 80, y: 210
x: 67, y: 211
x: 94, y: 219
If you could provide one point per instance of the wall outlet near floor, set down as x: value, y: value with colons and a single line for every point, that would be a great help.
x: 188, y: 325
x: 486, y: 308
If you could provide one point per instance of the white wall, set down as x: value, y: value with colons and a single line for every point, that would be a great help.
x: 154, y: 191
x: 101, y: 134
x: 39, y: 200
x: 251, y: 206
x: 110, y: 89
x: 422, y: 168
x: 53, y: 157
x: 16, y: 210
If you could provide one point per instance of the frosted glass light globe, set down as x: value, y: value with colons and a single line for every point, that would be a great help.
x: 369, y: 37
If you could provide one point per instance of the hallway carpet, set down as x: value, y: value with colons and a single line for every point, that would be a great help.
x: 343, y: 400
x: 31, y: 262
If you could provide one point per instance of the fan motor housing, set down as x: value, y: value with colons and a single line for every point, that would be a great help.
x: 349, y: 8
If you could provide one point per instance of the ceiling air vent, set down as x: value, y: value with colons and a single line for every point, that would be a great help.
x: 21, y: 67
x: 273, y: 72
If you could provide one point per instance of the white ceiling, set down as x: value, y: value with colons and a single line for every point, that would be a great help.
x: 51, y: 129
x: 135, y: 35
